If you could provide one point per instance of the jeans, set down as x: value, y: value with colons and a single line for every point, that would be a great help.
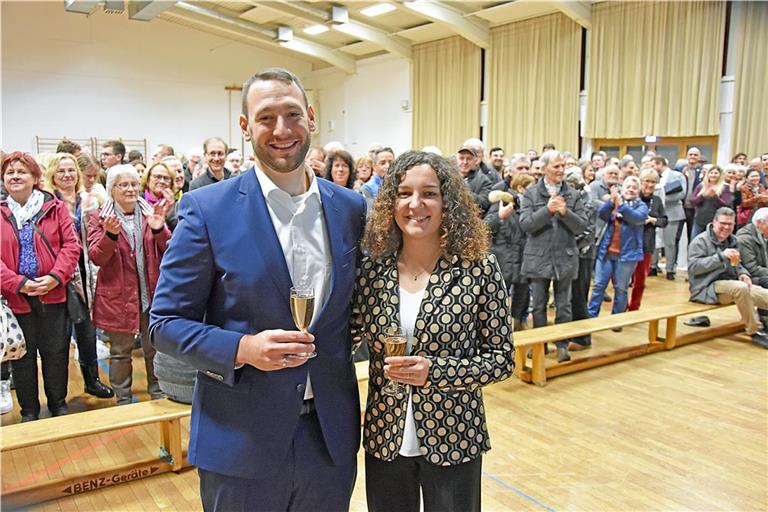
x: 621, y: 271
x: 540, y: 292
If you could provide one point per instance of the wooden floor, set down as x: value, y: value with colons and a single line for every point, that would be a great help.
x: 673, y: 431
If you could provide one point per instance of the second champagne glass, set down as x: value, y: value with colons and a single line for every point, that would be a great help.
x: 395, y: 344
x: 302, y: 309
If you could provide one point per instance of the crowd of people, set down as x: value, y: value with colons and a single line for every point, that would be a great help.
x: 154, y: 264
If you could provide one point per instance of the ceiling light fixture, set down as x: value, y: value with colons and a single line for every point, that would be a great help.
x: 314, y: 30
x: 284, y: 34
x: 376, y: 10
x: 339, y: 15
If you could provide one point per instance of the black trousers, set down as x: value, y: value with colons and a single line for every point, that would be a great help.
x: 580, y: 295
x: 394, y: 486
x: 521, y: 300
x: 85, y: 336
x: 690, y: 213
x: 46, y: 331
x: 540, y: 292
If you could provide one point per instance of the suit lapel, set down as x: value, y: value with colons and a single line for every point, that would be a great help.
x: 334, y: 226
x: 258, y: 222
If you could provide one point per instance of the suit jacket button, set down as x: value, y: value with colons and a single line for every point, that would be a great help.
x: 300, y: 388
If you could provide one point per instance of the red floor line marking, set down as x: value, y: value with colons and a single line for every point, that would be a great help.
x: 42, y: 472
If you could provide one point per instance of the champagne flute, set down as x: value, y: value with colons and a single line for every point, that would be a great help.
x: 302, y: 309
x: 395, y: 344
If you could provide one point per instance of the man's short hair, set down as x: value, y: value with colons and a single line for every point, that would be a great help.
x: 547, y: 147
x: 207, y: 141
x: 724, y: 211
x: 68, y: 146
x: 134, y: 155
x: 385, y: 149
x: 475, y: 143
x: 659, y: 160
x: 761, y: 215
x: 166, y: 149
x: 596, y: 153
x: 518, y: 157
x: 117, y: 146
x: 626, y: 161
x: 548, y: 156
x: 496, y: 148
x: 270, y: 74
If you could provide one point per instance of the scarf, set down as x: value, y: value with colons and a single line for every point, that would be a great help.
x: 26, y: 213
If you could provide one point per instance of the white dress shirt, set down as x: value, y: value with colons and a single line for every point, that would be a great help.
x: 300, y: 227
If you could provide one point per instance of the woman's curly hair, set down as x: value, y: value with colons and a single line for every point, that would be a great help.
x: 462, y: 233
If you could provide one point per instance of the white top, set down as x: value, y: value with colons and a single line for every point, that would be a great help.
x: 410, y: 303
x: 300, y: 227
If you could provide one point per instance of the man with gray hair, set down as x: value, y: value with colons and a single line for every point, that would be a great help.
x: 215, y: 154
x: 754, y: 252
x: 479, y: 148
x: 716, y: 274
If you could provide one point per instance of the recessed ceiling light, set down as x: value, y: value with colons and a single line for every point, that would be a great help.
x: 313, y: 30
x: 377, y: 9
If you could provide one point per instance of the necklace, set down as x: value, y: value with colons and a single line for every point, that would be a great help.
x: 417, y: 276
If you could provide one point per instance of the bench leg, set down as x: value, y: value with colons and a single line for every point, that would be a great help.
x: 519, y: 361
x: 170, y: 437
x: 671, y: 335
x: 538, y: 365
x: 653, y: 331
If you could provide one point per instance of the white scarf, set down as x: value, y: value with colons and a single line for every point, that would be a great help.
x: 32, y: 207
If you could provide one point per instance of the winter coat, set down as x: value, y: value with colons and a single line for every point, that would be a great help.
x: 706, y: 264
x: 507, y: 238
x: 480, y: 185
x: 631, y: 215
x: 55, y: 224
x: 656, y: 210
x: 550, y: 249
x: 753, y: 249
x: 597, y: 190
x: 117, y: 302
x: 586, y: 240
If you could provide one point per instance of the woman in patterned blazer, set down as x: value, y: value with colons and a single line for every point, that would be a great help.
x: 428, y: 270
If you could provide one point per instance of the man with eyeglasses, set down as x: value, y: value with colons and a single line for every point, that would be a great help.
x: 112, y: 154
x: 215, y: 155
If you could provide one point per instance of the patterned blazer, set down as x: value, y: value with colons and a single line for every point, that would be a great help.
x: 464, y: 328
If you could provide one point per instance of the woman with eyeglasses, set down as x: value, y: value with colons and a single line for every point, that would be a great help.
x: 127, y: 238
x: 38, y: 257
x: 64, y: 179
x: 158, y: 185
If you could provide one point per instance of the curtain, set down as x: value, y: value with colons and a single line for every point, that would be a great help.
x: 655, y: 69
x: 750, y: 102
x: 446, y: 93
x: 533, y: 85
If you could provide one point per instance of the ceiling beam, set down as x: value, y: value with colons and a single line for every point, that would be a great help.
x: 577, y: 11
x: 299, y: 45
x: 472, y: 30
x: 354, y: 28
x: 145, y: 11
x: 80, y: 6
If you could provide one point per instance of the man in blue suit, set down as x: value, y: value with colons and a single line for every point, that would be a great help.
x: 271, y: 428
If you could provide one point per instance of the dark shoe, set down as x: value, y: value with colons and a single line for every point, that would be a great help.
x: 670, y: 276
x: 59, y: 410
x: 28, y: 417
x: 617, y: 329
x: 698, y: 321
x: 94, y: 386
x: 760, y: 339
x: 563, y: 355
x: 653, y: 272
x: 606, y: 298
x: 576, y: 347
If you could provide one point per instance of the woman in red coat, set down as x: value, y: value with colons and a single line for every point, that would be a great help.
x: 39, y: 254
x: 126, y: 239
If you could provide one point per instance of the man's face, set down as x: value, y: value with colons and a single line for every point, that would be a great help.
x: 723, y: 226
x: 598, y: 162
x: 521, y: 166
x: 235, y: 160
x: 215, y: 155
x: 764, y: 159
x: 762, y: 227
x: 611, y: 176
x: 658, y: 166
x: 466, y: 162
x: 109, y: 158
x: 382, y: 162
x: 279, y: 125
x: 555, y: 170
x: 158, y: 154
x: 497, y: 159
x: 531, y: 154
x: 693, y: 157
x: 536, y: 169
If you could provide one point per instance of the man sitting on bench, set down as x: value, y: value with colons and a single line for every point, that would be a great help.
x: 716, y: 276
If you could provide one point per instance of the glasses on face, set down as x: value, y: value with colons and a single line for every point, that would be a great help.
x: 127, y: 185
x: 161, y: 177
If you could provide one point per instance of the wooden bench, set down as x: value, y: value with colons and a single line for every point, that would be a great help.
x: 534, y: 339
x: 171, y: 456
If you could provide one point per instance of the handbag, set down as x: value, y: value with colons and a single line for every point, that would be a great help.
x: 14, y: 345
x: 673, y: 187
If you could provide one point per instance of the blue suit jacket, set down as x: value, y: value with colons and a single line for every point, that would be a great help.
x: 224, y: 275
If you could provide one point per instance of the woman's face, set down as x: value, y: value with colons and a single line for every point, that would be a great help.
x: 364, y: 170
x: 19, y: 182
x: 741, y: 160
x: 630, y: 190
x: 649, y: 186
x: 419, y: 204
x: 126, y: 192
x: 730, y: 175
x: 753, y: 179
x: 65, y: 178
x: 340, y: 172
x: 589, y: 174
x: 90, y: 177
x: 713, y: 176
x: 740, y: 173
x: 159, y: 180
x: 140, y: 169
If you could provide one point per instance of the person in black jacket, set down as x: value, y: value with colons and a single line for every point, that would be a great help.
x: 657, y: 218
x: 479, y: 184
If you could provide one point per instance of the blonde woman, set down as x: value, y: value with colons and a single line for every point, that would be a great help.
x: 709, y: 195
x: 363, y: 171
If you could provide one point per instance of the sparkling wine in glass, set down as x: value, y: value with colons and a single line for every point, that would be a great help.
x: 395, y: 344
x: 302, y: 309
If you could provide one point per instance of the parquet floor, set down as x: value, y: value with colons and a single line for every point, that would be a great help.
x: 684, y: 430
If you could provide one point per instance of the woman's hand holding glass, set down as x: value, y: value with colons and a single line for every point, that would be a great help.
x: 411, y: 370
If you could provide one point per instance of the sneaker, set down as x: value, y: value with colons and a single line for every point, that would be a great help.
x: 102, y: 350
x: 6, y: 400
x: 760, y: 339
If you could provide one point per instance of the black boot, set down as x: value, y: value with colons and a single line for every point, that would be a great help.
x: 93, y: 386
